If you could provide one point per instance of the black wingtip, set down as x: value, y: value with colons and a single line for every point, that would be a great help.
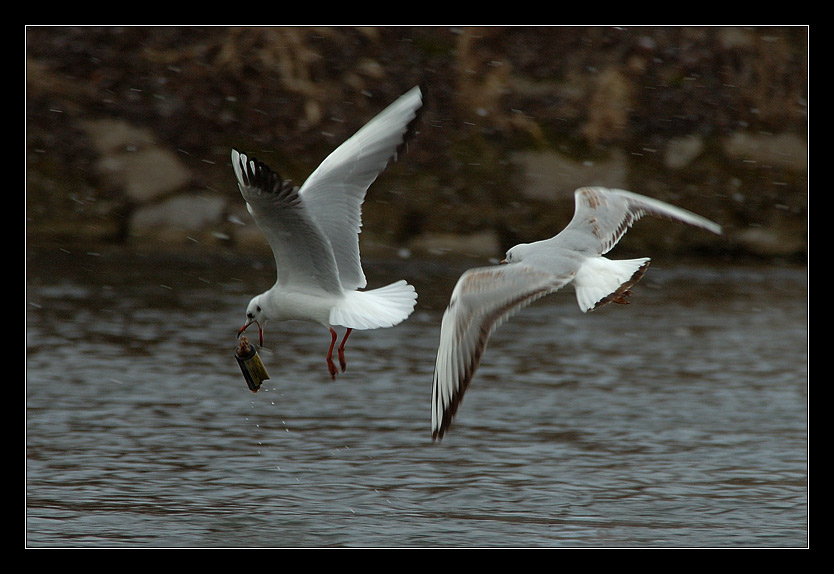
x: 258, y: 174
x: 437, y: 435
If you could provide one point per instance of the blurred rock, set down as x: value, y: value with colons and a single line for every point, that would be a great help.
x: 550, y: 176
x: 178, y: 217
x: 128, y: 129
x: 780, y: 150
x: 680, y: 152
x: 481, y: 245
x: 131, y: 160
x: 773, y: 242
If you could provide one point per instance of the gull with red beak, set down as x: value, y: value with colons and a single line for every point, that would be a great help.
x: 314, y: 234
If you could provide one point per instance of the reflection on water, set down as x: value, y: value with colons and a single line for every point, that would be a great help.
x: 679, y: 420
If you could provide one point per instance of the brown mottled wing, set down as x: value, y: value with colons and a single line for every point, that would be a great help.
x: 483, y: 298
x: 603, y: 216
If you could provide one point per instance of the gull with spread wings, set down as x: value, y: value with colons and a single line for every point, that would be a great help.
x: 314, y: 234
x: 485, y: 297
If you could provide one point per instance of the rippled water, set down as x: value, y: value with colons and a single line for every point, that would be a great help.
x: 680, y: 420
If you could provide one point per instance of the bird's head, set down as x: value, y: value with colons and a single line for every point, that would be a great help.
x: 255, y: 314
x: 515, y: 254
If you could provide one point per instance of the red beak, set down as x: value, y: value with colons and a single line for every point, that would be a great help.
x: 260, y: 331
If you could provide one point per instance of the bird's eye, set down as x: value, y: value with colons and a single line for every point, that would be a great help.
x: 250, y: 315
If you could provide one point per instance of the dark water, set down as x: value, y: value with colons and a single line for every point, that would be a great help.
x: 680, y: 420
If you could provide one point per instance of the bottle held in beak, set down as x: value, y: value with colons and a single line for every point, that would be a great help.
x: 250, y: 364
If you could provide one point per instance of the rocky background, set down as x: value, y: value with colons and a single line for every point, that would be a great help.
x: 128, y: 132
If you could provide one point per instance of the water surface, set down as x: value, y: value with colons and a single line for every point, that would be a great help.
x: 679, y: 420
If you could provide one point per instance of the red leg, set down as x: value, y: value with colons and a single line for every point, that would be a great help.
x: 342, y: 360
x: 330, y: 366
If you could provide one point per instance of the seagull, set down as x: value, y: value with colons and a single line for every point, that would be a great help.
x: 314, y: 234
x: 485, y: 297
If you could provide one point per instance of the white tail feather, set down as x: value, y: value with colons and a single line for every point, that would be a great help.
x: 383, y: 307
x: 598, y: 278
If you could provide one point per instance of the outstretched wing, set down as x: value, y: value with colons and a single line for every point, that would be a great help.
x: 483, y: 298
x: 603, y: 216
x: 334, y: 192
x: 303, y: 256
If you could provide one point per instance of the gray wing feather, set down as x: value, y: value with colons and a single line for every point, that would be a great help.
x: 303, y: 255
x: 334, y: 192
x: 482, y: 300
